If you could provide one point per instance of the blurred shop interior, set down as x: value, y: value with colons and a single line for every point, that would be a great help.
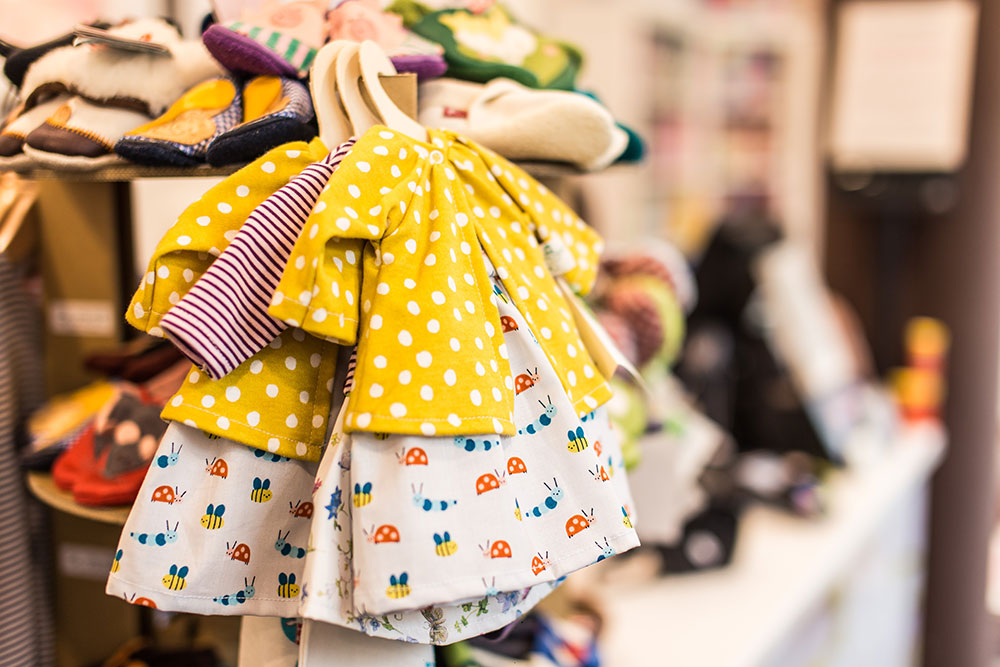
x: 764, y: 310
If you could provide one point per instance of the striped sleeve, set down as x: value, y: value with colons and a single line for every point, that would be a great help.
x: 222, y: 321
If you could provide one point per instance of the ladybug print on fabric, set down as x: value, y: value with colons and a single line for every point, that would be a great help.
x: 142, y: 602
x: 414, y: 456
x: 525, y: 381
x: 579, y: 522
x: 498, y: 549
x: 240, y: 552
x: 301, y: 510
x: 508, y: 323
x: 539, y: 563
x: 515, y: 466
x: 217, y: 468
x: 384, y: 534
x: 490, y: 481
x: 166, y: 494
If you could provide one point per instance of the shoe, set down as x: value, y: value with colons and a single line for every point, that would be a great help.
x: 182, y: 135
x: 275, y: 111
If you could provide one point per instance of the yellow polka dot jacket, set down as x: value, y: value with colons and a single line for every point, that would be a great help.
x: 395, y: 258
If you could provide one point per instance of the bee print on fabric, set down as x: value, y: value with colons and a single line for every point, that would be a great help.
x: 587, y: 417
x: 444, y: 545
x: 386, y: 533
x: 240, y: 552
x: 269, y: 456
x: 438, y: 631
x: 498, y: 549
x: 577, y: 440
x: 517, y: 510
x: 549, y: 411
x: 607, y: 551
x: 414, y: 456
x: 166, y: 494
x: 525, y: 381
x: 427, y: 504
x: 550, y: 502
x: 239, y: 597
x: 261, y: 490
x: 626, y: 519
x: 212, y: 519
x: 515, y: 466
x: 167, y: 460
x: 158, y: 539
x: 217, y: 468
x: 300, y: 510
x: 476, y: 444
x: 175, y: 578
x: 142, y: 602
x: 579, y: 522
x: 398, y: 586
x: 117, y: 563
x: 362, y: 494
x: 287, y: 588
x: 490, y: 481
x: 283, y: 547
x: 539, y: 563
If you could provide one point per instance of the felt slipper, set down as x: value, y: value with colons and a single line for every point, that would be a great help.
x: 146, y: 83
x: 24, y: 121
x: 80, y: 135
x: 275, y: 111
x: 520, y: 123
x: 181, y: 136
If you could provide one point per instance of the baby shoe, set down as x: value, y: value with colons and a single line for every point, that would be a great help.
x: 524, y: 124
x: 80, y: 135
x: 146, y: 83
x: 23, y: 121
x: 181, y: 136
x: 275, y: 111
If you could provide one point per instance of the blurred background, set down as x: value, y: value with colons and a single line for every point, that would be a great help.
x: 802, y: 271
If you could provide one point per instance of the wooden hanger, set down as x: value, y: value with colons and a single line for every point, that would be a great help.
x: 334, y: 125
x: 359, y: 111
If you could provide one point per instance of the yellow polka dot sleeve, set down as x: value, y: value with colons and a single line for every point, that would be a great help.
x: 203, y: 230
x: 278, y: 400
x: 550, y: 216
x: 320, y: 289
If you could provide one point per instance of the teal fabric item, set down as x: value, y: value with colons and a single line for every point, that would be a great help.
x: 635, y: 150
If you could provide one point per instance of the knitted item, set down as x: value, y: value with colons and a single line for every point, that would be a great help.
x: 621, y: 333
x: 639, y: 309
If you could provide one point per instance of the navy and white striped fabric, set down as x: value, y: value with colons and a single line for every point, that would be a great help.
x: 26, y: 637
x: 223, y: 321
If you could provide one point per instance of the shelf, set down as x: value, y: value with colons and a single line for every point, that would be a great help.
x: 42, y: 486
x: 783, y: 568
x: 126, y: 172
x: 130, y: 172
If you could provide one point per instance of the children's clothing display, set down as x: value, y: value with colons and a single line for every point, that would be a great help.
x: 455, y: 491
